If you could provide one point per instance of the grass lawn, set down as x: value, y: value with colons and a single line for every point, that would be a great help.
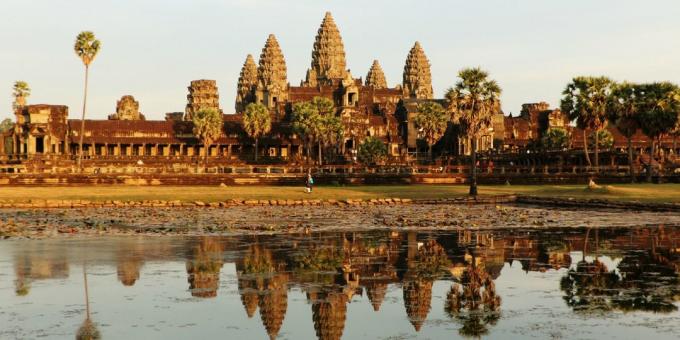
x: 630, y: 192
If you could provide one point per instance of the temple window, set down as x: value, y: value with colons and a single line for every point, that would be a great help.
x: 351, y: 98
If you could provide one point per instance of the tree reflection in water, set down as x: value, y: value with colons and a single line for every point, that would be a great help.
x: 474, y: 302
x: 645, y: 280
x: 88, y: 330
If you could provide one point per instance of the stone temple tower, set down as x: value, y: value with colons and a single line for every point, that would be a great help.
x: 417, y: 77
x: 272, y: 75
x: 328, y: 54
x: 202, y: 94
x: 247, y: 84
x: 376, y: 76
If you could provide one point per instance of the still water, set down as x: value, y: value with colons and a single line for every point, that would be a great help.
x: 603, y: 283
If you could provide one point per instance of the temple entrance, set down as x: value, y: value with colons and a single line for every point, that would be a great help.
x: 39, y: 144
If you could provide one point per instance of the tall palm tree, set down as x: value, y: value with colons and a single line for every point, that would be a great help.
x: 586, y: 100
x: 257, y: 122
x: 626, y: 101
x: 20, y: 91
x: 306, y: 120
x: 86, y: 48
x: 431, y: 120
x: 208, y: 125
x: 328, y: 125
x: 474, y: 99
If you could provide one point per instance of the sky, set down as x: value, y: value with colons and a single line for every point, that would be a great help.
x: 152, y: 49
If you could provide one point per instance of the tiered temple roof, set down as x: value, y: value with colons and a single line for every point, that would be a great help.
x: 272, y: 72
x: 202, y: 95
x: 247, y: 82
x: 417, y: 77
x: 376, y: 76
x: 328, y: 55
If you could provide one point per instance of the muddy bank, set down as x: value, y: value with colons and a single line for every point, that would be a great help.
x: 244, y: 219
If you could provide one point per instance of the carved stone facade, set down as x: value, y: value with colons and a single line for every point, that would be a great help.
x: 376, y: 77
x: 417, y: 77
x: 247, y: 84
x: 127, y: 108
x: 202, y: 95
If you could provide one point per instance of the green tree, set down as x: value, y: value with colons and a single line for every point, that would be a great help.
x: 256, y: 122
x: 331, y: 132
x: 305, y: 123
x: 431, y: 120
x: 315, y: 122
x: 21, y: 92
x: 371, y: 151
x: 86, y: 48
x: 659, y: 114
x: 555, y: 139
x: 586, y: 100
x: 474, y: 100
x: 329, y: 128
x: 208, y: 125
x: 625, y: 103
x: 6, y: 125
x: 604, y: 138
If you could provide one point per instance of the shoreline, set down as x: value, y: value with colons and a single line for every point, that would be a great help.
x: 244, y: 219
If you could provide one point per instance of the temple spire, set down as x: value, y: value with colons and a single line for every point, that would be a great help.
x: 247, y: 82
x: 272, y: 72
x: 328, y: 55
x: 417, y: 76
x: 376, y: 76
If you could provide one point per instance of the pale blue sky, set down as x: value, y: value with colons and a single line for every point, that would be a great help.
x: 152, y: 49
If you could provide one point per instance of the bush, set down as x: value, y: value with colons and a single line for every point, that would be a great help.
x: 555, y: 139
x: 372, y: 151
x: 605, y: 138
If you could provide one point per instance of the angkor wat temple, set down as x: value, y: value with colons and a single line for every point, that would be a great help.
x: 44, y: 134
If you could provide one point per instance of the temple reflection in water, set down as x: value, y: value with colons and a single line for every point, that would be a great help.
x: 335, y: 269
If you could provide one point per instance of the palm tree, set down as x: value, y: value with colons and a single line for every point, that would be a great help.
x: 315, y: 121
x: 474, y: 99
x: 86, y: 48
x: 256, y: 122
x: 586, y: 100
x: 659, y: 114
x: 208, y: 124
x: 305, y: 123
x: 330, y: 132
x: 431, y: 120
x: 20, y: 91
x: 329, y: 128
x: 625, y: 104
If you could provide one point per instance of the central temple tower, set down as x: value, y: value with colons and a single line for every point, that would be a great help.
x: 328, y: 55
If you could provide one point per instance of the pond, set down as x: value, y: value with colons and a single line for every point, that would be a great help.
x: 609, y: 283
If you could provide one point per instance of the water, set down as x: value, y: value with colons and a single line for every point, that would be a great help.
x: 607, y: 283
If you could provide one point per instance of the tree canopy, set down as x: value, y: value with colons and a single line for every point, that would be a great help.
x: 555, y: 139
x: 86, y: 47
x: 208, y: 125
x: 371, y: 151
x: 431, y: 120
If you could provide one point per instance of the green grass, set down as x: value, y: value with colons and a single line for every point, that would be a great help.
x: 629, y: 192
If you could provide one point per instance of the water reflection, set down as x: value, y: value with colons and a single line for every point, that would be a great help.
x: 617, y: 270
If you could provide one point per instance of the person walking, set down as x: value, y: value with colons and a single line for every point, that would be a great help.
x: 309, y: 183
